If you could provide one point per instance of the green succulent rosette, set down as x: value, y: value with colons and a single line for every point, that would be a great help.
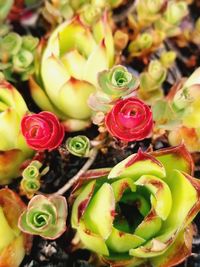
x: 78, y: 145
x: 117, y: 82
x: 77, y: 4
x: 31, y: 175
x: 148, y: 11
x: 74, y: 55
x: 142, y: 43
x: 172, y: 17
x: 142, y: 211
x: 17, y: 55
x: 151, y: 81
x: 185, y: 101
x: 13, y: 147
x: 44, y: 216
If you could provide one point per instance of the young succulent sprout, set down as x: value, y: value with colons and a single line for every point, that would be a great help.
x: 103, y: 4
x: 78, y: 146
x: 141, y: 44
x: 186, y: 105
x: 74, y: 55
x: 117, y: 82
x: 151, y: 81
x: 12, y: 143
x: 148, y: 11
x: 13, y: 243
x: 114, y: 84
x: 142, y: 212
x: 31, y: 175
x: 170, y: 21
x: 45, y: 217
x: 17, y: 55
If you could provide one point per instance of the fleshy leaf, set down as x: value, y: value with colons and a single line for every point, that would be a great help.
x: 137, y: 165
x: 99, y: 214
x: 121, y: 242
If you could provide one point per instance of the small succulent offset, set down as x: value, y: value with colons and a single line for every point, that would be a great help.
x: 13, y: 243
x: 17, y: 55
x: 185, y: 102
x: 148, y: 11
x: 142, y: 211
x: 78, y: 145
x: 117, y: 82
x: 14, y: 149
x: 141, y: 45
x: 44, y: 216
x: 172, y: 17
x: 151, y: 80
x: 178, y: 114
x: 114, y: 84
x: 31, y: 175
x: 74, y: 55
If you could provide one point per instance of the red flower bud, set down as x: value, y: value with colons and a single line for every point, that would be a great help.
x: 42, y: 131
x: 129, y: 120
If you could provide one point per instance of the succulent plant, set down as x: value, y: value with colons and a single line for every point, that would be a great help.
x: 13, y: 244
x: 186, y: 104
x: 142, y: 211
x: 172, y: 17
x: 148, y: 11
x: 74, y: 55
x: 12, y: 143
x: 141, y: 44
x: 78, y: 145
x: 151, y: 81
x: 114, y: 84
x: 44, y: 216
x: 17, y: 55
x: 117, y: 81
x: 5, y: 7
x: 31, y: 175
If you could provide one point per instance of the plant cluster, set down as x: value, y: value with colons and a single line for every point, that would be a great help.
x: 79, y: 79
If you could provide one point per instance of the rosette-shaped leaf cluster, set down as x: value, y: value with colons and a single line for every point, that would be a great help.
x: 42, y: 131
x: 74, y: 55
x: 12, y: 143
x: 172, y: 17
x: 141, y: 45
x: 17, y: 55
x: 185, y: 101
x: 148, y: 11
x: 129, y: 120
x: 57, y: 12
x: 141, y: 212
x: 117, y: 82
x: 151, y: 81
x: 77, y: 4
x: 114, y: 84
x: 78, y: 145
x: 45, y: 216
x: 31, y: 175
x: 13, y: 244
